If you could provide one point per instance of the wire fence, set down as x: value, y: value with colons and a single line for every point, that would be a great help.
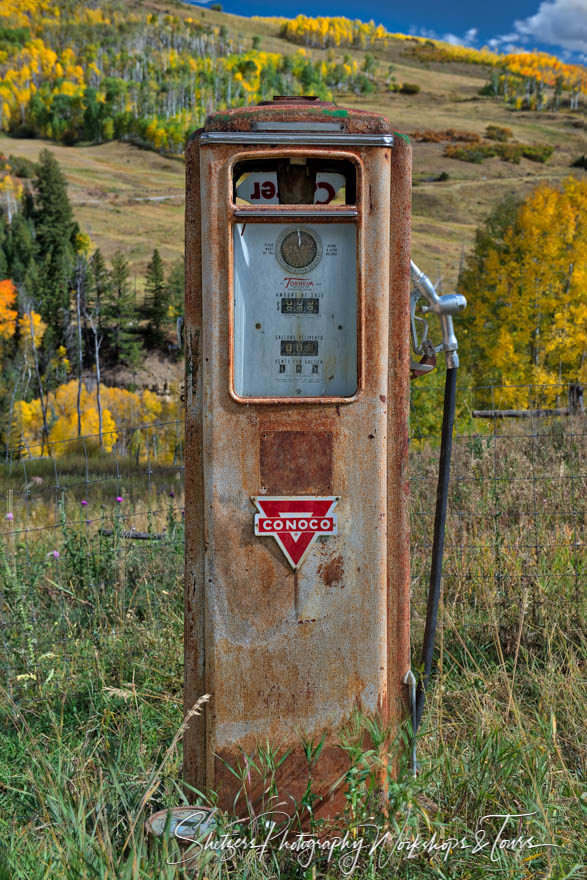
x: 75, y: 481
x: 516, y: 512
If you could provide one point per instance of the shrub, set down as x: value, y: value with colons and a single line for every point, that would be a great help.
x: 477, y: 152
x: 509, y: 152
x: 537, y: 152
x: 20, y: 166
x: 470, y: 152
x: 409, y: 89
x: 456, y: 134
x: 450, y: 134
x: 498, y: 133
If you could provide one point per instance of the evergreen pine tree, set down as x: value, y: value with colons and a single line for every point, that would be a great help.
x: 175, y: 288
x: 18, y: 248
x: 156, y: 304
x: 55, y: 234
x: 119, y: 315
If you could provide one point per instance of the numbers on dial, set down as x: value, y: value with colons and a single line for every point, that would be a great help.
x: 299, y: 305
x: 298, y: 250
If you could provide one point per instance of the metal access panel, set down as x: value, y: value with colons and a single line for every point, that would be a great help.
x: 297, y: 382
x: 295, y: 310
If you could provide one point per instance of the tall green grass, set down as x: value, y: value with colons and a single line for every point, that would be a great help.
x: 91, y: 707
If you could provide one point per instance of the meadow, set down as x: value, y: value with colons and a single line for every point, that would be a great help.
x: 92, y: 659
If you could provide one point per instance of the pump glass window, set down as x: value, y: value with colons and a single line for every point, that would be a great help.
x: 295, y: 310
x: 294, y: 181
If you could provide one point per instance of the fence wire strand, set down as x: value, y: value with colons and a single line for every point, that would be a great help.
x: 516, y: 507
x: 516, y: 510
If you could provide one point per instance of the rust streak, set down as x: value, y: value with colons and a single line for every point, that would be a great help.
x: 332, y: 572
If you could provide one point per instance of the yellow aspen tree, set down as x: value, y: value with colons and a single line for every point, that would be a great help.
x: 526, y: 286
x: 8, y: 315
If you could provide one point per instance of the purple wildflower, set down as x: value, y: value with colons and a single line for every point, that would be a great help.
x: 119, y: 499
x: 9, y: 515
x: 55, y: 554
x: 84, y: 502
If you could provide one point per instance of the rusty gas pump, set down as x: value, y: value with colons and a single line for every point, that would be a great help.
x: 298, y: 282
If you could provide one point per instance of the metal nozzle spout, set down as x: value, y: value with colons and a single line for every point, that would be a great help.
x: 443, y: 306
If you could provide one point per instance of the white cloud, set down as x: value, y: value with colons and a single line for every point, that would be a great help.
x: 559, y: 23
x: 468, y: 39
x: 508, y: 43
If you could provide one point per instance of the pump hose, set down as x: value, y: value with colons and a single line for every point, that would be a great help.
x: 448, y: 419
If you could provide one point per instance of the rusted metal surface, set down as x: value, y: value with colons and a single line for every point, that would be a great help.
x: 298, y: 110
x: 296, y: 462
x: 398, y: 527
x: 284, y: 652
x: 319, y: 214
x: 194, y: 591
x: 290, y: 778
x: 332, y: 573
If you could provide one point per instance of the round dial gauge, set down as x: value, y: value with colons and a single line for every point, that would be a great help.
x: 298, y: 250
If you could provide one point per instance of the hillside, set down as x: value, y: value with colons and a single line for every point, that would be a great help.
x: 130, y: 198
x: 113, y: 91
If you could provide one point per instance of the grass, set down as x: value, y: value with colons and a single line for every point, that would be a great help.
x: 91, y: 710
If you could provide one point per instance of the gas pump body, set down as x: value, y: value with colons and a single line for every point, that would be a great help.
x: 297, y: 377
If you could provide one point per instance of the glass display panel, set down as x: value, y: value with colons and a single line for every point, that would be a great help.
x: 294, y: 181
x: 295, y: 310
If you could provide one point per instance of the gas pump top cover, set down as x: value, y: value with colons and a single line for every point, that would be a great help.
x: 302, y: 116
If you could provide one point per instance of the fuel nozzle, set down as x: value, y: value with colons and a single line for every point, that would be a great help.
x: 443, y: 306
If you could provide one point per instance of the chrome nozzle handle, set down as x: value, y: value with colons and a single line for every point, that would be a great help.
x: 443, y: 306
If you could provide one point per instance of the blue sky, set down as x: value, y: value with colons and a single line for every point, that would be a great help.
x: 556, y: 26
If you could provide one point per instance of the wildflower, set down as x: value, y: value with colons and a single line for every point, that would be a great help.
x: 172, y: 494
x: 84, y: 502
x: 54, y: 554
x: 9, y: 515
x: 119, y: 499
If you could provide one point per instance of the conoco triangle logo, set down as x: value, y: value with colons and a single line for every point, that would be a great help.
x: 295, y: 522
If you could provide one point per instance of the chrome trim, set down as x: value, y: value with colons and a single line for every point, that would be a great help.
x: 297, y: 126
x: 301, y: 138
x: 277, y: 212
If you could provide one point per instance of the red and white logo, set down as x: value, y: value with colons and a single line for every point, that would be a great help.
x: 295, y: 522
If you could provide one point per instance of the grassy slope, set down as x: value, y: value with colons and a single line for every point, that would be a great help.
x: 108, y: 182
x: 111, y: 187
